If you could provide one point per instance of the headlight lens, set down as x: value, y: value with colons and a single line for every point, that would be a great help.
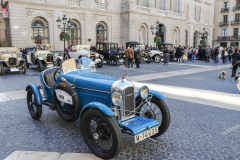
x: 144, y: 92
x: 6, y: 59
x: 88, y: 55
x: 117, y: 98
x: 45, y: 55
x: 19, y: 58
x: 56, y: 55
x: 97, y: 55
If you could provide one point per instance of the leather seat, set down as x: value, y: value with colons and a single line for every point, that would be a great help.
x: 49, y: 77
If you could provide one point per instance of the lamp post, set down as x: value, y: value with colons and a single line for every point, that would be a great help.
x: 204, y: 34
x: 158, y: 31
x: 66, y: 24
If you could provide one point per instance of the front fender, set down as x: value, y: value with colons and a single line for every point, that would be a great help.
x: 41, y: 58
x: 155, y: 93
x: 36, y: 92
x: 60, y: 57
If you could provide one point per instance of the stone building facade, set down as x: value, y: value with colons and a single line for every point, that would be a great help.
x: 227, y: 23
x: 34, y: 21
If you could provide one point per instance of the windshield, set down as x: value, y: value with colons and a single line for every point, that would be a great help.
x: 8, y: 50
x: 43, y: 47
x: 82, y: 64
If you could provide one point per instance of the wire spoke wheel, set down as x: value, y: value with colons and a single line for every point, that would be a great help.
x: 34, y: 108
x: 101, y: 133
x: 157, y: 110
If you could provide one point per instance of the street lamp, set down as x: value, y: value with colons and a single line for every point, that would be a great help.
x: 204, y: 33
x: 64, y: 23
x: 158, y: 31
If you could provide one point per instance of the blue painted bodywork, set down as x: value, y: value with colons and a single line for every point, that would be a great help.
x: 48, y: 92
x: 138, y: 125
x: 155, y: 93
x: 36, y: 92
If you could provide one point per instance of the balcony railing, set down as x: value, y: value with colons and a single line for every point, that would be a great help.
x: 74, y: 3
x: 223, y: 38
x: 235, y: 8
x: 234, y: 23
x: 225, y: 10
x: 143, y: 9
x: 40, y: 1
x: 161, y: 12
x: 176, y: 15
x: 235, y: 37
x: 221, y: 24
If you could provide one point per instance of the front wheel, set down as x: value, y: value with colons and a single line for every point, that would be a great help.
x: 101, y: 133
x: 148, y: 59
x: 157, y: 59
x: 157, y: 110
x: 24, y: 68
x: 59, y: 62
x: 100, y: 64
x: 114, y: 61
x: 1, y: 69
x: 39, y: 66
x: 34, y: 108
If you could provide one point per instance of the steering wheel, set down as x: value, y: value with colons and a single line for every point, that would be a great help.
x: 57, y: 73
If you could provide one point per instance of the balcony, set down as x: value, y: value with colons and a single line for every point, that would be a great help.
x: 235, y: 23
x: 222, y: 24
x: 223, y: 38
x: 235, y: 37
x: 176, y: 15
x: 161, y: 12
x: 225, y: 10
x: 143, y: 9
x: 74, y: 3
x: 236, y: 8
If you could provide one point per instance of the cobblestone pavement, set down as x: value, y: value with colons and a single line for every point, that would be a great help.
x: 196, y: 131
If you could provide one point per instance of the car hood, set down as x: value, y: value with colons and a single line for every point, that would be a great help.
x: 88, y: 79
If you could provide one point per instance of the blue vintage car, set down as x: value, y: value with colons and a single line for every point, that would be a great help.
x: 105, y: 106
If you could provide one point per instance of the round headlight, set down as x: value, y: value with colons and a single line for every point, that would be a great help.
x: 56, y: 54
x: 19, y: 58
x: 143, y: 92
x: 97, y: 55
x: 117, y: 98
x: 88, y: 55
x: 45, y: 55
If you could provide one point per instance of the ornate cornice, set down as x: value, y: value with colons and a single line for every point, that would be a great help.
x: 208, y: 3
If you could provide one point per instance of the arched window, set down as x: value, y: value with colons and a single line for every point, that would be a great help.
x: 101, y: 30
x: 195, y: 39
x: 74, y: 32
x: 176, y: 37
x: 40, y: 31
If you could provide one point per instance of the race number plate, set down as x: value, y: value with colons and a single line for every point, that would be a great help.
x: 146, y: 134
x: 64, y: 97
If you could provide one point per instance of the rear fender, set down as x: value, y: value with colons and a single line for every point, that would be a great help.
x: 36, y: 92
x: 154, y: 93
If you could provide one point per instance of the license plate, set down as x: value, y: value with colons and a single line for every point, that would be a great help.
x: 146, y: 134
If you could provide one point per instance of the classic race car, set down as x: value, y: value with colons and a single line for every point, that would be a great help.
x: 41, y: 56
x: 79, y: 51
x: 110, y: 52
x: 105, y: 106
x: 11, y: 61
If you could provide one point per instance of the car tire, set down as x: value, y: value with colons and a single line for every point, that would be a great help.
x: 1, y: 69
x: 148, y: 59
x: 67, y: 112
x: 157, y: 59
x: 34, y: 108
x: 100, y: 64
x: 24, y: 68
x: 109, y: 129
x: 59, y: 62
x: 159, y: 105
x: 27, y: 64
x: 39, y: 66
x: 114, y: 61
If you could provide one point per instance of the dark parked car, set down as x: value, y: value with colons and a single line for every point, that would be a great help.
x: 110, y: 52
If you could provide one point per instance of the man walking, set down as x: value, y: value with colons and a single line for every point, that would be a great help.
x: 131, y: 56
x: 179, y: 53
x: 137, y: 57
x: 216, y: 54
x: 208, y: 52
x: 126, y: 57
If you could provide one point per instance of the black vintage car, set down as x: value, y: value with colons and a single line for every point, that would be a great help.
x: 110, y: 52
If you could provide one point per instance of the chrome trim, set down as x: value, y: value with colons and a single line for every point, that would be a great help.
x: 94, y: 90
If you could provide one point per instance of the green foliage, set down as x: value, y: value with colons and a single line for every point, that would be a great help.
x: 157, y: 39
x: 233, y: 44
x: 65, y: 36
x: 203, y: 42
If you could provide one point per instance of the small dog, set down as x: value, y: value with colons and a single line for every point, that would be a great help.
x: 222, y: 75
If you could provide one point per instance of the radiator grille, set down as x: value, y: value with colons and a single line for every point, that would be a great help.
x: 92, y: 57
x: 49, y: 58
x: 129, y: 101
x: 12, y: 61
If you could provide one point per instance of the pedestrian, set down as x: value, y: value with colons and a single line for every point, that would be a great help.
x: 154, y: 48
x: 126, y: 57
x: 185, y: 54
x: 235, y: 63
x: 216, y: 54
x: 146, y: 47
x: 230, y: 53
x: 224, y: 54
x: 166, y: 58
x: 193, y: 55
x: 130, y: 57
x: 24, y: 53
x: 207, y: 54
x: 179, y: 53
x: 121, y: 48
x: 137, y: 57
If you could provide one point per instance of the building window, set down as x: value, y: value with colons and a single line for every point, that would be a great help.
x: 159, y: 4
x: 226, y: 4
x: 224, y: 32
x: 40, y: 31
x: 237, y: 17
x: 225, y: 18
x: 101, y: 30
x: 75, y: 3
x: 197, y: 12
x: 74, y: 32
x: 237, y: 3
x: 144, y: 3
x: 235, y: 32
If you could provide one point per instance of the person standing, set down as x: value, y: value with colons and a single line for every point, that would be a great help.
x: 121, y: 48
x: 208, y: 52
x: 146, y: 47
x: 230, y: 53
x: 126, y: 57
x: 24, y: 52
x: 131, y: 56
x: 216, y: 54
x: 137, y: 57
x: 185, y: 54
x: 179, y: 53
x: 224, y: 54
x: 193, y: 55
x: 235, y: 61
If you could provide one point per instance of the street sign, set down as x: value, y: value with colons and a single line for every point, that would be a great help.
x: 5, y: 12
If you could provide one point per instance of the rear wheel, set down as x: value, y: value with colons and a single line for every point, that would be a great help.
x: 39, y: 66
x: 101, y: 133
x: 24, y: 68
x: 114, y: 61
x: 148, y: 59
x: 157, y: 58
x: 100, y: 64
x: 157, y: 110
x: 1, y: 69
x: 59, y: 62
x: 34, y: 108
